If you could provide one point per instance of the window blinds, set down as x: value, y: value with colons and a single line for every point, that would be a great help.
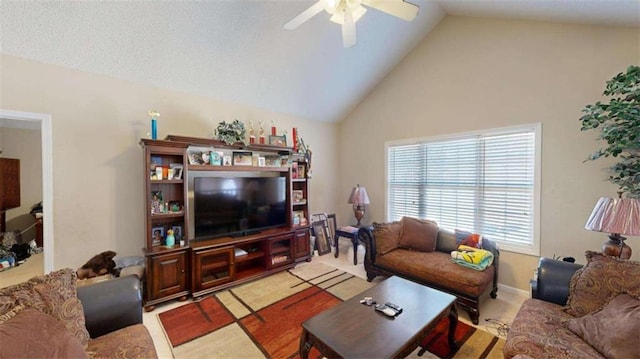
x: 483, y: 183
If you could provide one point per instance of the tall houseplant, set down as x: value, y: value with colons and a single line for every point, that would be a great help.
x: 619, y: 123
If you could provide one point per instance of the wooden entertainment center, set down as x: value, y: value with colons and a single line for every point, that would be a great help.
x: 198, y: 267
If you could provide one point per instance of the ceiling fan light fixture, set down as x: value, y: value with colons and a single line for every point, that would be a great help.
x: 339, y: 16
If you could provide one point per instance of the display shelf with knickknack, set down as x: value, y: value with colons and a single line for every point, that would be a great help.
x: 208, y: 262
x: 165, y: 194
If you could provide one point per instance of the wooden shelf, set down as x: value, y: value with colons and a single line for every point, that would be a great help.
x: 249, y: 256
x: 167, y: 215
x: 236, y: 168
x: 173, y: 181
x: 214, y: 266
x: 195, y: 141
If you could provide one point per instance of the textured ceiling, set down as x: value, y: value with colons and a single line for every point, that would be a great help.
x: 238, y: 51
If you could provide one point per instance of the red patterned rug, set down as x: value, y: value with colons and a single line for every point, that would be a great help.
x: 263, y: 318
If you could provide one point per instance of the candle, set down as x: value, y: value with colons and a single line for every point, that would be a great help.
x: 273, y: 130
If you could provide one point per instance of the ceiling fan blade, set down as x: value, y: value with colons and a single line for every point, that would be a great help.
x: 398, y: 8
x: 305, y: 15
x: 348, y: 29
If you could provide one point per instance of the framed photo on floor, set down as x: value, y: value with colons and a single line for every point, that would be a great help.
x: 331, y: 222
x: 323, y: 244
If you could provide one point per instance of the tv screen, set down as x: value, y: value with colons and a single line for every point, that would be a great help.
x: 238, y: 206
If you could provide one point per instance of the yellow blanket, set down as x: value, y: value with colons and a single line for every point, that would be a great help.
x: 474, y: 258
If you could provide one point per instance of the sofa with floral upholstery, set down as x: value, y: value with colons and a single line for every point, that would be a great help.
x: 420, y: 251
x: 580, y: 312
x: 49, y: 317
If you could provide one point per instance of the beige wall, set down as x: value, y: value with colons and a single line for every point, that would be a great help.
x: 24, y: 145
x: 472, y: 74
x: 97, y: 162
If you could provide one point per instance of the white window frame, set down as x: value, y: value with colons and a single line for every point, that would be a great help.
x: 532, y: 248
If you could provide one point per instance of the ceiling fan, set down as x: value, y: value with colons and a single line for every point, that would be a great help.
x: 347, y: 12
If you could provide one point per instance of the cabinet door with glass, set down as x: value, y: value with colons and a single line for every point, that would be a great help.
x: 212, y: 267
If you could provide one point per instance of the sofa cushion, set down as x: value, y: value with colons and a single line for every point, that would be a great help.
x: 446, y: 241
x: 613, y: 331
x: 418, y: 234
x: 599, y: 281
x: 53, y: 294
x: 438, y: 269
x: 538, y: 331
x: 33, y: 334
x: 387, y: 236
x: 468, y: 239
x: 133, y: 341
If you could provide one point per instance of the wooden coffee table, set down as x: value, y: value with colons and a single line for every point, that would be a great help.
x: 355, y: 330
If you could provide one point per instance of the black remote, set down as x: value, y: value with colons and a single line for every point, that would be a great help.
x: 393, y: 306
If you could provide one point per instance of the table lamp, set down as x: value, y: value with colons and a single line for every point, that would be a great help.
x: 617, y: 216
x: 359, y: 199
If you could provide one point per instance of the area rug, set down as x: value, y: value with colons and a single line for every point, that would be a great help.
x: 262, y: 319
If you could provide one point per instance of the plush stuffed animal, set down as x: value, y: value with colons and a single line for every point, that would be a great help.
x: 100, y: 264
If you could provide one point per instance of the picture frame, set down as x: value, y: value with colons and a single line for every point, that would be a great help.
x: 177, y: 232
x: 275, y: 140
x: 272, y: 161
x: 176, y: 169
x: 157, y: 202
x: 302, y: 170
x: 242, y: 158
x: 261, y: 161
x: 226, y: 160
x: 157, y: 235
x: 333, y: 226
x: 322, y: 244
x: 297, y: 196
x: 216, y: 158
x: 195, y: 157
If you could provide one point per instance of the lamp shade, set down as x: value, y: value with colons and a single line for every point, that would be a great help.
x: 358, y: 196
x: 616, y: 215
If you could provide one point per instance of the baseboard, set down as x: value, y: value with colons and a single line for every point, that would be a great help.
x: 513, y: 290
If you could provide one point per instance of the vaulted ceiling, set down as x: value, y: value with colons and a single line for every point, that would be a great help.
x: 238, y: 51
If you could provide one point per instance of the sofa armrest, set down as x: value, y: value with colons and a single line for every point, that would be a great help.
x: 111, y: 305
x: 553, y: 280
x: 365, y: 234
x: 492, y: 247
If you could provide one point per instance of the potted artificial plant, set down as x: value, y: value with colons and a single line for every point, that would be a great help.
x: 231, y: 132
x: 619, y: 123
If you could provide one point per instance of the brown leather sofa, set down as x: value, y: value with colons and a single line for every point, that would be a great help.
x: 426, y: 263
x: 48, y: 316
x: 579, y: 312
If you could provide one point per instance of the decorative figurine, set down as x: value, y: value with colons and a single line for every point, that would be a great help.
x: 252, y: 133
x: 261, y: 132
x: 154, y: 124
x: 171, y: 239
x: 294, y: 139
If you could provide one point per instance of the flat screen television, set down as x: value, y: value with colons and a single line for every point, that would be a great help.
x: 237, y: 206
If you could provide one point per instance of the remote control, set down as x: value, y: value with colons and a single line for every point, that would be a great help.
x: 389, y: 312
x: 395, y: 307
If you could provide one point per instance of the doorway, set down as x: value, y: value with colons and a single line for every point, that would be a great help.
x: 43, y: 122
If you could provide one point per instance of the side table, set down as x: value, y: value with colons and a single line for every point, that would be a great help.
x: 350, y: 232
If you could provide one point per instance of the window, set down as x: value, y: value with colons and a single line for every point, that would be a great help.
x: 486, y: 182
